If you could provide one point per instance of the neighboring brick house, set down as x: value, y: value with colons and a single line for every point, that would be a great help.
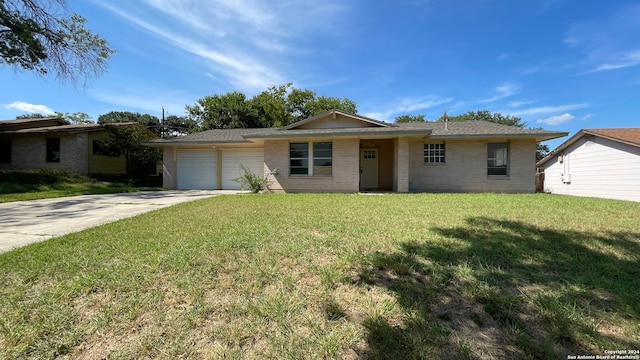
x: 341, y: 152
x: 602, y: 163
x: 53, y: 143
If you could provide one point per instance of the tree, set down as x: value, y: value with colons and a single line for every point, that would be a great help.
x: 34, y: 37
x: 275, y: 107
x: 76, y: 117
x: 31, y: 115
x: 227, y: 111
x: 410, y: 118
x: 149, y: 121
x: 127, y: 141
x: 486, y: 115
x: 179, y: 125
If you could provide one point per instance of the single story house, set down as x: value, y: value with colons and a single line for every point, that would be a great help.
x: 54, y: 143
x: 602, y: 163
x: 341, y: 152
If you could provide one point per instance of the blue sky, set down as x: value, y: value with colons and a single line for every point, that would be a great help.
x: 558, y: 64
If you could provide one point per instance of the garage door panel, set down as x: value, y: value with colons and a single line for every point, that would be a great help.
x: 197, y: 169
x: 232, y: 160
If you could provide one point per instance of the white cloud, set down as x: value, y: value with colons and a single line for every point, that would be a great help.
x: 610, y: 42
x: 557, y: 119
x: 544, y: 110
x: 502, y: 91
x: 247, y: 43
x: 30, y: 108
x: 631, y: 58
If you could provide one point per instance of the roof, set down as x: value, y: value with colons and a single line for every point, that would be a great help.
x: 333, y: 113
x: 432, y: 130
x: 480, y: 129
x: 8, y: 125
x: 629, y: 136
x: 69, y: 128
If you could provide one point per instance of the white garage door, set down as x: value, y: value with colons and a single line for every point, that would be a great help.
x: 231, y: 161
x: 197, y: 169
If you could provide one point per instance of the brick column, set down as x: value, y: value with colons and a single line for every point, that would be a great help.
x: 402, y: 165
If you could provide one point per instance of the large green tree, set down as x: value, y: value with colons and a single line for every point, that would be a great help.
x: 410, y: 118
x: 37, y: 35
x: 226, y: 111
x: 486, y: 115
x: 126, y: 140
x: 275, y: 107
x: 174, y: 125
x: 149, y: 121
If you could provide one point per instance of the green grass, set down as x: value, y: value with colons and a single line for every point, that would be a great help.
x: 16, y: 185
x: 452, y: 276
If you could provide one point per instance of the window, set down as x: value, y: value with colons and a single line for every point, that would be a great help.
x: 322, y: 158
x: 498, y: 159
x: 298, y: 158
x: 5, y: 151
x: 318, y: 154
x: 53, y: 150
x: 434, y: 153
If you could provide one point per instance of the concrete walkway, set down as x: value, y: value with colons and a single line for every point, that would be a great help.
x: 26, y: 222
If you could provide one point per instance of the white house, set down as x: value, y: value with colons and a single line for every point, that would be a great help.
x: 602, y: 163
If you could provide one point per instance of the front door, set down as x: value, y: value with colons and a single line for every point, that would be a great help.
x: 368, y: 169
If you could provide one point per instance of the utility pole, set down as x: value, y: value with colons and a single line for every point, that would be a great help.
x: 162, y: 124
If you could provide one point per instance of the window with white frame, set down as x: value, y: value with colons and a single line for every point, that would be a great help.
x: 498, y: 159
x: 434, y: 153
x: 317, y: 154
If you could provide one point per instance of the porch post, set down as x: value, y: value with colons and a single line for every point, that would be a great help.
x: 402, y: 165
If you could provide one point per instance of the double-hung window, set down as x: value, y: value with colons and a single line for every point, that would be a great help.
x: 311, y: 158
x: 498, y: 159
x: 53, y: 150
x: 434, y: 153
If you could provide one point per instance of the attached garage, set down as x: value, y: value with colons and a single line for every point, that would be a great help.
x: 232, y: 159
x: 197, y: 169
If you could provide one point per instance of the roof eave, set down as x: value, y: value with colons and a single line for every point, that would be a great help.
x: 537, y: 137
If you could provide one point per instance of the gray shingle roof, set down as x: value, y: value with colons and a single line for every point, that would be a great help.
x: 431, y: 130
x: 71, y: 128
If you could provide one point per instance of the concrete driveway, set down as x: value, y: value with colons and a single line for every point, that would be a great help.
x: 26, y: 222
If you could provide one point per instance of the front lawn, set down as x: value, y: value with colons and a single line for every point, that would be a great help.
x: 16, y: 185
x: 452, y: 276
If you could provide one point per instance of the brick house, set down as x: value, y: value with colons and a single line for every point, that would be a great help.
x: 54, y: 143
x: 341, y: 152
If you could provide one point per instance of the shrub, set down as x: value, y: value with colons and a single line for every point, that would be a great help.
x: 253, y: 182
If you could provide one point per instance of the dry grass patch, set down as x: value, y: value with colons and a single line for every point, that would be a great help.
x: 480, y: 276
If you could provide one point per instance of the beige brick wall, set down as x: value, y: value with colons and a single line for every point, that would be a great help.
x: 29, y: 152
x: 169, y: 179
x: 346, y: 170
x: 465, y: 169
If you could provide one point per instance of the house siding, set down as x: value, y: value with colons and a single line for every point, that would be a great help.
x: 345, y: 172
x: 29, y: 152
x: 597, y: 167
x: 465, y: 168
x: 101, y: 164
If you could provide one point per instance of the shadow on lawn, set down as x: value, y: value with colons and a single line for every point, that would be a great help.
x: 507, y: 289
